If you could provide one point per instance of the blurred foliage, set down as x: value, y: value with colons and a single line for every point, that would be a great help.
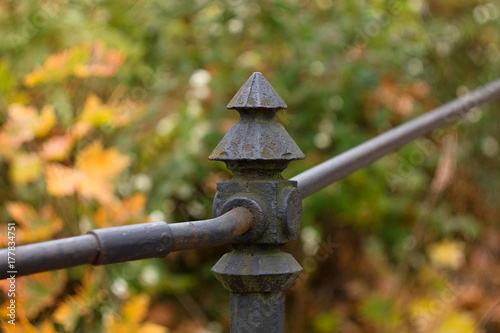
x: 110, y: 108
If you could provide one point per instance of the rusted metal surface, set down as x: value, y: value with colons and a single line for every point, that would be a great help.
x: 193, y: 235
x: 338, y: 167
x: 257, y: 93
x: 257, y: 277
x: 126, y: 243
x: 257, y: 137
x: 132, y: 242
x: 51, y: 255
x: 257, y: 149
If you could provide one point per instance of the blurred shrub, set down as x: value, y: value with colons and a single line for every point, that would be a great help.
x: 109, y: 109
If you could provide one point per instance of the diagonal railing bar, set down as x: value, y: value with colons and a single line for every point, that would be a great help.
x: 125, y: 243
x: 338, y: 167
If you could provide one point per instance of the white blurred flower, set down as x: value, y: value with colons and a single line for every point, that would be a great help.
x: 310, y: 239
x: 166, y: 125
x: 149, y: 276
x: 489, y: 146
x: 200, y: 78
x: 156, y: 215
x: 317, y: 68
x: 142, y: 182
x: 199, y: 81
x: 235, y: 26
x: 119, y: 287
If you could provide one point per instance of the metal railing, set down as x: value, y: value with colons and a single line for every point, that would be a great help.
x: 257, y: 211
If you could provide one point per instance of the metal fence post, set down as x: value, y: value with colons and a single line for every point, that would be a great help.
x: 256, y: 149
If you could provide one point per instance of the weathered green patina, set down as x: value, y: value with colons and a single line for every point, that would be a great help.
x: 257, y: 149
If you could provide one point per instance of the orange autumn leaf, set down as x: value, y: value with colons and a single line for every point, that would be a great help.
x: 61, y: 180
x: 21, y: 213
x: 136, y: 308
x: 58, y: 66
x: 91, y: 187
x: 23, y: 124
x: 134, y: 312
x: 48, y: 327
x: 46, y: 226
x: 79, y: 130
x: 22, y: 325
x: 87, y: 295
x: 45, y: 122
x: 66, y: 314
x: 8, y: 148
x: 34, y: 226
x: 57, y: 148
x: 129, y: 210
x: 151, y: 328
x: 22, y: 120
x: 134, y: 205
x: 35, y: 293
x: 99, y: 163
x: 97, y: 113
x: 91, y: 178
x: 81, y: 61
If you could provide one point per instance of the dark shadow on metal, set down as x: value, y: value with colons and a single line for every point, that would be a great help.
x: 338, y: 167
x: 126, y: 243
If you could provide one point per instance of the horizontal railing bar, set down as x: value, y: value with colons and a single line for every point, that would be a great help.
x: 338, y: 167
x: 124, y: 243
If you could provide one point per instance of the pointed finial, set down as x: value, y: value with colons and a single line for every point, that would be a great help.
x: 257, y: 136
x: 257, y: 93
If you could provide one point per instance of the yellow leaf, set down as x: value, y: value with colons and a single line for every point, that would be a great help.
x: 44, y: 227
x: 457, y: 322
x: 152, y: 328
x: 99, y: 163
x: 82, y: 61
x: 58, y: 66
x: 62, y: 314
x: 34, y: 226
x: 45, y: 122
x: 87, y: 296
x: 112, y: 113
x: 25, y: 169
x: 22, y: 325
x: 61, y: 180
x: 22, y: 125
x: 136, y: 308
x: 95, y: 112
x: 48, y: 327
x: 95, y: 167
x: 447, y: 254
x: 67, y: 314
x: 35, y: 293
